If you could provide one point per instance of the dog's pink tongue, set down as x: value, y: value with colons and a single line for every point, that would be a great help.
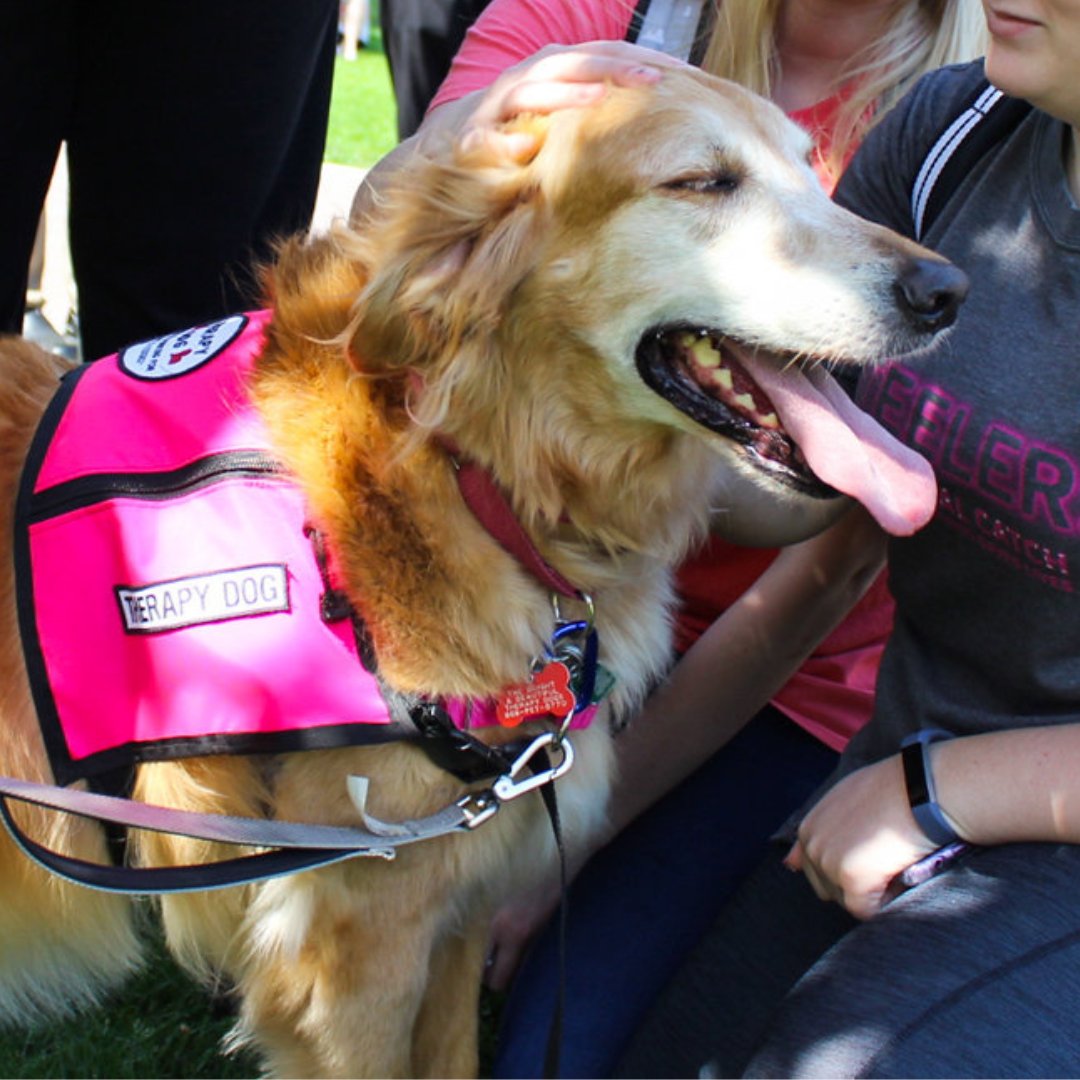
x: 848, y: 449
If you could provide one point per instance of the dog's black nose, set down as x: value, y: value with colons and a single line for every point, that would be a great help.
x: 931, y: 291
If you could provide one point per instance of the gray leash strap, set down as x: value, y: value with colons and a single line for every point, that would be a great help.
x: 294, y: 846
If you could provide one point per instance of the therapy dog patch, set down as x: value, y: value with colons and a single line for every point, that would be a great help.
x: 169, y: 591
x: 176, y: 355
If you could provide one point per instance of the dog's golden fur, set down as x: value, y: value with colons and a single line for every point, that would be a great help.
x: 498, y: 305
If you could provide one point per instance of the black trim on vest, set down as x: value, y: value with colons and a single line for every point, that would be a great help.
x: 51, y: 731
x: 107, y: 770
x: 327, y: 737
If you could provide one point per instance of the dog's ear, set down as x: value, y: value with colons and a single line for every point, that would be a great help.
x: 312, y: 285
x: 454, y: 236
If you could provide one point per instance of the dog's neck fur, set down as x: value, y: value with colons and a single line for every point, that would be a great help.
x: 438, y: 593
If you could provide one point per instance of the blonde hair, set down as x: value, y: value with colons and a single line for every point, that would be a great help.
x: 919, y: 35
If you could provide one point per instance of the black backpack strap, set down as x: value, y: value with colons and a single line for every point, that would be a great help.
x: 676, y: 27
x: 988, y: 119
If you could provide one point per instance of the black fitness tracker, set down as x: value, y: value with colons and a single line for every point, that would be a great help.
x: 922, y: 795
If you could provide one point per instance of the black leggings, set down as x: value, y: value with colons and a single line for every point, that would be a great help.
x: 421, y: 38
x: 195, y: 133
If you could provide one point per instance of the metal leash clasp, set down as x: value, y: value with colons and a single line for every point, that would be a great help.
x: 478, y: 807
x: 508, y: 786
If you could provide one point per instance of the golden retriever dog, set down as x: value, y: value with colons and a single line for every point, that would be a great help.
x: 624, y: 333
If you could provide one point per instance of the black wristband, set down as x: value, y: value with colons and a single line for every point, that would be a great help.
x: 922, y: 794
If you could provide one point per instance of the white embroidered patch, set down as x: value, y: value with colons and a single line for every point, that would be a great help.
x: 204, y: 598
x: 177, y: 354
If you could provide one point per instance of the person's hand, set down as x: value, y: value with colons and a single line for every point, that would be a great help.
x: 519, y: 919
x: 515, y: 924
x: 557, y: 77
x: 859, y: 837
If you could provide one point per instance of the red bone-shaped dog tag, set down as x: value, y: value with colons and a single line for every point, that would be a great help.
x: 548, y: 693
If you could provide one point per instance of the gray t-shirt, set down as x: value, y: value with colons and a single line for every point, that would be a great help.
x: 988, y: 616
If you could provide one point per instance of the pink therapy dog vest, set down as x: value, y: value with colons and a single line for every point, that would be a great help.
x: 169, y: 590
x: 169, y: 596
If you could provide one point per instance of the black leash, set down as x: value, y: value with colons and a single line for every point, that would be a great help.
x: 555, y: 1029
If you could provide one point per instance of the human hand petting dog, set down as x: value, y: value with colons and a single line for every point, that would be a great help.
x: 556, y: 77
x: 861, y: 834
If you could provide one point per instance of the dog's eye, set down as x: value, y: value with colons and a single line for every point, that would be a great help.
x: 718, y: 183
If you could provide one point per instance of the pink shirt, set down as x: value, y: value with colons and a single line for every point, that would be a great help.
x: 508, y: 32
x: 831, y: 695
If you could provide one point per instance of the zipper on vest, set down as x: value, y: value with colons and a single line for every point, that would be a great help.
x: 100, y: 487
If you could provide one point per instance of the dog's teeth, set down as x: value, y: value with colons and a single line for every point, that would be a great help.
x: 745, y: 402
x: 704, y: 353
x: 769, y: 421
x: 723, y: 378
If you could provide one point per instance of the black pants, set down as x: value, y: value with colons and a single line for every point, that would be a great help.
x: 421, y: 38
x: 195, y: 133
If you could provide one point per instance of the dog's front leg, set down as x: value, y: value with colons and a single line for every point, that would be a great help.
x: 445, y: 1039
x: 338, y: 962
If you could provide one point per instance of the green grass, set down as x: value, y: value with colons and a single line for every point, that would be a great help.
x: 160, y: 1025
x: 363, y: 115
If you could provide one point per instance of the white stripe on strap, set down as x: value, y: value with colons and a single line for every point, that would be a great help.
x: 943, y: 150
x: 670, y: 26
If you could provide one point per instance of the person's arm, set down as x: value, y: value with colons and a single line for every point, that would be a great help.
x: 743, y: 660
x: 996, y: 788
x: 719, y: 684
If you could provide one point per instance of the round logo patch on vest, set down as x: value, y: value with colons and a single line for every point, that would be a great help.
x: 178, y: 354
